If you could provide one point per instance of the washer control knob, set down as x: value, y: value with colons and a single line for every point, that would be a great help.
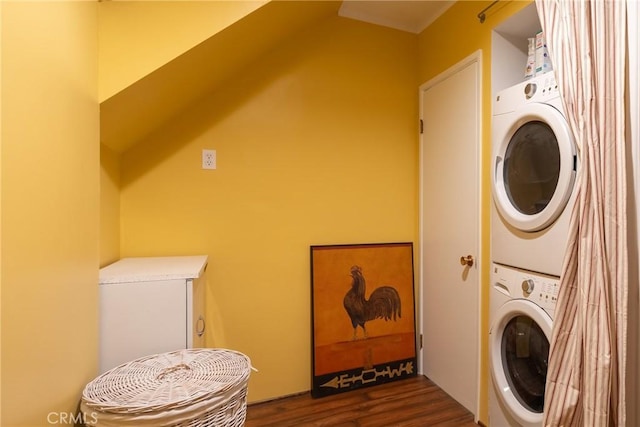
x: 527, y: 286
x: 530, y: 90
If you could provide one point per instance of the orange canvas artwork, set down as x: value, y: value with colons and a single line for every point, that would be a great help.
x: 363, y: 315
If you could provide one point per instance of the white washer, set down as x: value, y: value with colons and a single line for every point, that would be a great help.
x: 522, y: 305
x: 534, y: 165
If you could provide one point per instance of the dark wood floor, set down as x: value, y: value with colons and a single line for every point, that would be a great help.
x: 410, y: 402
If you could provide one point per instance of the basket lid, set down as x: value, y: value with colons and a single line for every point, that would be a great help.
x: 167, y: 381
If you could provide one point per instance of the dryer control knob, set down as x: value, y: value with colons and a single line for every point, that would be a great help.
x: 527, y: 286
x: 530, y: 90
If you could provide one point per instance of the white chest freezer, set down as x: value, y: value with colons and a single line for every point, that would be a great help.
x: 150, y: 305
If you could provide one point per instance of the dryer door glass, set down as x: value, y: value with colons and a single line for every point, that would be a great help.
x: 531, y: 167
x: 525, y: 355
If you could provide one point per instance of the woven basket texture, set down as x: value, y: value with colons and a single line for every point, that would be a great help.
x: 191, y: 387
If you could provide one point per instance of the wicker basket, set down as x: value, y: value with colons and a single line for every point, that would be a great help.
x: 191, y: 387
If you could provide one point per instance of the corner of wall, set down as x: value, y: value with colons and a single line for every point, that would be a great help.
x: 109, y: 206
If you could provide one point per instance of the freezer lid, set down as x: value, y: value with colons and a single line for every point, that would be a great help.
x: 145, y: 269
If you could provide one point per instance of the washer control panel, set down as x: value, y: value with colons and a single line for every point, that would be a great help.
x: 545, y: 293
x: 541, y: 289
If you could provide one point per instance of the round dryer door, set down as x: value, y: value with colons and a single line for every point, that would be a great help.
x: 534, y: 167
x: 519, y: 354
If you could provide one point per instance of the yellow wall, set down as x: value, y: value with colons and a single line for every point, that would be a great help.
x: 451, y: 38
x: 50, y: 208
x: 134, y: 112
x: 109, y: 206
x: 134, y: 39
x: 317, y: 144
x: 0, y: 216
x: 137, y: 37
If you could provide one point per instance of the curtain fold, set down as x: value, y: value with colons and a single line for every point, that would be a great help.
x: 586, y: 41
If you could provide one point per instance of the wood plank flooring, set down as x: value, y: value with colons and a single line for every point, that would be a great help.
x: 405, y: 403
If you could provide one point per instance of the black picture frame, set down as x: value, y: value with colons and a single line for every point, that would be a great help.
x: 371, y: 286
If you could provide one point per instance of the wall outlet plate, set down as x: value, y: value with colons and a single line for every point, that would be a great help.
x: 209, y: 159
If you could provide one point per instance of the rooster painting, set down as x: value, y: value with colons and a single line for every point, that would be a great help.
x: 383, y: 303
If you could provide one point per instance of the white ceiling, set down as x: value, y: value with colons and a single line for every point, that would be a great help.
x: 412, y: 15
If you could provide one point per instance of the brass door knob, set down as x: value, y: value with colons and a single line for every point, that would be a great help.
x: 466, y: 260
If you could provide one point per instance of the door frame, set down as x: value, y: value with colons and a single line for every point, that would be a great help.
x: 475, y: 57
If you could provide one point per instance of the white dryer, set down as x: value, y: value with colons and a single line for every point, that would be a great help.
x: 534, y: 166
x: 522, y: 305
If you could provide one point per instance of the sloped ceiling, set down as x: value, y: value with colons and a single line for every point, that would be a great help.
x: 133, y: 113
x: 137, y: 37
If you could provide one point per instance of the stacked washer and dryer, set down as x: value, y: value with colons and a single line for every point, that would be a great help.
x: 534, y: 166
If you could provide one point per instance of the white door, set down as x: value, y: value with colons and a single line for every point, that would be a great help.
x: 449, y: 222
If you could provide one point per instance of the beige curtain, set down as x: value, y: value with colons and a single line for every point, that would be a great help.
x: 585, y: 379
